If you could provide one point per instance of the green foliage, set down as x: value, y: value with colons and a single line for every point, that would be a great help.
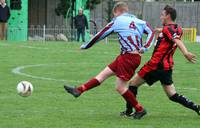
x: 62, y: 7
x: 15, y: 4
x: 91, y: 4
x: 109, y: 10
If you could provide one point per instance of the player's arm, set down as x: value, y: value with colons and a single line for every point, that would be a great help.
x: 188, y: 55
x: 150, y: 37
x: 176, y: 38
x: 107, y: 30
x: 157, y: 32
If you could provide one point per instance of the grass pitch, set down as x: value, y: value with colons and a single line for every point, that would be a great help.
x: 50, y: 65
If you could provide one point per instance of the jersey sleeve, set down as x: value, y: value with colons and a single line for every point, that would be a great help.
x: 171, y: 34
x: 106, y: 31
x: 150, y: 36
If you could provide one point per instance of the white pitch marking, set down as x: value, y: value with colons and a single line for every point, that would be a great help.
x: 18, y: 71
x: 32, y: 47
x: 191, y: 89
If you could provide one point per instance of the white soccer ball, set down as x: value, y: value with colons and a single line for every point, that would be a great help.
x: 24, y: 88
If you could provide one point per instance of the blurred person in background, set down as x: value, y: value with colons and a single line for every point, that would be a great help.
x: 80, y: 24
x: 4, y: 16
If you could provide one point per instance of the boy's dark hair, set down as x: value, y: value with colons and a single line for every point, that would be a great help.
x: 171, y: 11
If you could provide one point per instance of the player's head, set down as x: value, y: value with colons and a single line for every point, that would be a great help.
x: 168, y: 14
x: 80, y: 11
x: 119, y: 8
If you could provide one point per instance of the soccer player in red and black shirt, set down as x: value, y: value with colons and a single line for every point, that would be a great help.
x: 160, y: 66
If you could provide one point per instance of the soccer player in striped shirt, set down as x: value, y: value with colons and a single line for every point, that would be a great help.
x: 130, y: 30
x: 160, y: 66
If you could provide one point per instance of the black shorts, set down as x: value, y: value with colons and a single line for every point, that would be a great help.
x: 165, y: 77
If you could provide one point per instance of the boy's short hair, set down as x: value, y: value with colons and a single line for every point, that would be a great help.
x: 171, y: 11
x: 121, y: 6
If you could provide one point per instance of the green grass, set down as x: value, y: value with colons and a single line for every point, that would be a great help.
x: 51, y: 107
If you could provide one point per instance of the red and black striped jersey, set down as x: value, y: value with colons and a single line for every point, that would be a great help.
x: 162, y: 57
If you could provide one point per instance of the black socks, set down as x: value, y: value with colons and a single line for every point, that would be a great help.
x: 184, y: 101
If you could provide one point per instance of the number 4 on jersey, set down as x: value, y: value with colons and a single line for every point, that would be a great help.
x: 132, y: 25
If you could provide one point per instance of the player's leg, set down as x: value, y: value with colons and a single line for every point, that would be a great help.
x: 133, y: 87
x: 108, y: 71
x: 167, y: 82
x: 146, y: 74
x: 175, y: 97
x: 130, y: 98
x: 104, y: 74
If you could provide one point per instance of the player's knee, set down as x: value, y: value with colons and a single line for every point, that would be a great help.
x: 99, y: 79
x: 121, y: 89
x: 132, y: 83
x: 118, y: 89
x: 136, y: 82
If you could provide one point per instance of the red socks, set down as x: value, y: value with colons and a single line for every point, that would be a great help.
x: 130, y: 98
x: 128, y: 95
x: 89, y: 85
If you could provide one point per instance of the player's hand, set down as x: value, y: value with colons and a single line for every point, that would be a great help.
x: 190, y: 57
x: 83, y: 46
x: 158, y: 30
x: 142, y: 50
